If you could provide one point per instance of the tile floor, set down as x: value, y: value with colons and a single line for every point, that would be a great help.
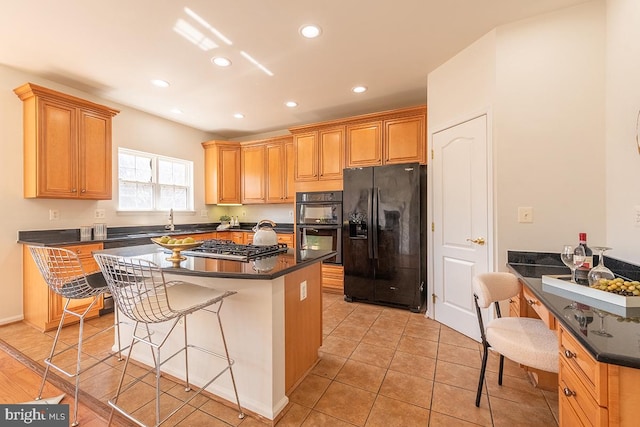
x: 378, y: 367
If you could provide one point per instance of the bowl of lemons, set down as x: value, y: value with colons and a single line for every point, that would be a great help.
x: 176, y: 246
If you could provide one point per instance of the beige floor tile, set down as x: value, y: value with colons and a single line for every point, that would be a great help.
x: 507, y: 413
x: 318, y: 419
x: 381, y: 336
x: 449, y: 336
x: 338, y: 346
x: 309, y: 391
x: 395, y: 314
x: 552, y: 401
x: 515, y: 389
x: 388, y: 412
x: 441, y: 420
x: 199, y: 418
x: 361, y: 375
x: 407, y: 388
x: 422, y: 331
x: 511, y: 368
x: 349, y: 331
x: 373, y: 354
x: 168, y: 404
x: 390, y: 324
x: 411, y: 364
x: 459, y: 355
x: 418, y: 346
x: 346, y: 403
x: 457, y: 375
x: 460, y: 403
x: 328, y: 366
x: 295, y: 416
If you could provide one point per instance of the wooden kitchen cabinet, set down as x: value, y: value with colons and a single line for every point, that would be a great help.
x: 253, y: 173
x: 67, y: 145
x: 404, y: 140
x: 280, y: 163
x: 364, y: 144
x: 319, y: 154
x: 43, y: 307
x: 221, y: 172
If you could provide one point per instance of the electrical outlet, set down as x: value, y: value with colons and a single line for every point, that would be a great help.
x: 290, y: 214
x: 303, y: 290
x: 54, y: 214
x: 244, y: 213
x: 99, y: 214
x: 204, y: 213
x: 525, y: 214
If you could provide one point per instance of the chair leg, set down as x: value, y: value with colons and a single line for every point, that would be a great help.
x: 226, y: 352
x: 500, y: 370
x: 187, y: 386
x: 485, y: 356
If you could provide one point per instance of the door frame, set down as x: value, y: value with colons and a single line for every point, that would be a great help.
x: 491, y: 182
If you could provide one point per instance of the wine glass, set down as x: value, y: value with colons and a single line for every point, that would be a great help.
x: 601, y: 332
x: 573, y: 257
x: 600, y: 271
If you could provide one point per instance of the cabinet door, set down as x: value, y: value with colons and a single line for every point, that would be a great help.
x: 289, y: 162
x: 253, y: 174
x: 228, y: 175
x: 306, y: 160
x: 331, y: 154
x: 364, y: 144
x: 57, y: 156
x: 275, y: 177
x: 94, y: 149
x: 404, y: 140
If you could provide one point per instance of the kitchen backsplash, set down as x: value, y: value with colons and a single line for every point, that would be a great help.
x: 280, y: 214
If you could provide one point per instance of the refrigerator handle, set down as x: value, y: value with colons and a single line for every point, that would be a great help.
x: 370, y: 223
x: 374, y: 220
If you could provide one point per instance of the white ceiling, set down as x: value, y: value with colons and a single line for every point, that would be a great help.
x: 112, y: 49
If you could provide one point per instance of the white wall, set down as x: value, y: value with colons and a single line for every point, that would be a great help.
x: 542, y: 80
x: 622, y: 158
x: 131, y: 129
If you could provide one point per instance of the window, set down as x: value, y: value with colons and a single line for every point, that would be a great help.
x: 149, y: 182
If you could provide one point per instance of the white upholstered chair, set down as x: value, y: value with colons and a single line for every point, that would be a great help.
x: 524, y: 340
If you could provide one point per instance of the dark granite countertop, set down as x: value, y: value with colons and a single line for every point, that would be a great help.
x: 130, y: 236
x: 623, y: 348
x: 266, y: 268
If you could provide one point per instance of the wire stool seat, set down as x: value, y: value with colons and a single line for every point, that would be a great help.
x: 62, y: 270
x: 141, y: 293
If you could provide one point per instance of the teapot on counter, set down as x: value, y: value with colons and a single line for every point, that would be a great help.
x: 264, y: 235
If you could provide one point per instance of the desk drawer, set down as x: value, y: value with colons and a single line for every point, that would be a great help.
x: 592, y: 374
x: 538, y: 308
x: 576, y: 401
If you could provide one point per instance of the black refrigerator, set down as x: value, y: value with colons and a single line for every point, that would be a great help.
x: 384, y: 235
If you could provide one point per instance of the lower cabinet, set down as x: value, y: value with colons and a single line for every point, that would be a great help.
x: 43, y: 307
x: 333, y: 278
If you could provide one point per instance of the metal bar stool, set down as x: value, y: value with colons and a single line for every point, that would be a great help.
x: 63, y: 273
x: 141, y: 293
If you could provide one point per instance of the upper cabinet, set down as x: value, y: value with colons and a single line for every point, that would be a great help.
x: 387, y: 138
x: 319, y: 158
x: 221, y: 172
x: 253, y: 173
x: 67, y: 145
x: 280, y: 164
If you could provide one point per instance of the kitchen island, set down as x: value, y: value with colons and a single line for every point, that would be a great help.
x: 599, y: 375
x: 273, y: 325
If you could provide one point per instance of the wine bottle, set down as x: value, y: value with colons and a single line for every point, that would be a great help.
x: 583, y: 271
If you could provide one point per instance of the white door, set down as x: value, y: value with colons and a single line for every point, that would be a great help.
x: 460, y: 221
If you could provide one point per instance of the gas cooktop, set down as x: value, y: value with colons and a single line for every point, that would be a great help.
x: 226, y: 249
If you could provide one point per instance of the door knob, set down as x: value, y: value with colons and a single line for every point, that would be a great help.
x: 479, y: 241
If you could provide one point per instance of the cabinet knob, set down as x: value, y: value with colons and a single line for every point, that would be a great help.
x: 83, y: 191
x: 74, y: 190
x: 569, y: 354
x: 568, y: 392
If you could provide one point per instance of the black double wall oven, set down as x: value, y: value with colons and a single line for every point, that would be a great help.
x: 319, y: 222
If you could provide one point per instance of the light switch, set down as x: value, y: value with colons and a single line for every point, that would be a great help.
x: 525, y: 214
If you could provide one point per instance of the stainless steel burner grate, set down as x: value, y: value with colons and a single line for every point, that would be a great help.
x: 226, y: 249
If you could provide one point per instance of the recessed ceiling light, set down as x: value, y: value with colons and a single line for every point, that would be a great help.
x: 221, y: 61
x: 238, y: 116
x: 291, y: 104
x: 310, y: 31
x: 359, y: 89
x: 176, y: 111
x: 160, y: 83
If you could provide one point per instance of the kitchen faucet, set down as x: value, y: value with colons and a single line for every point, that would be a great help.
x: 170, y: 226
